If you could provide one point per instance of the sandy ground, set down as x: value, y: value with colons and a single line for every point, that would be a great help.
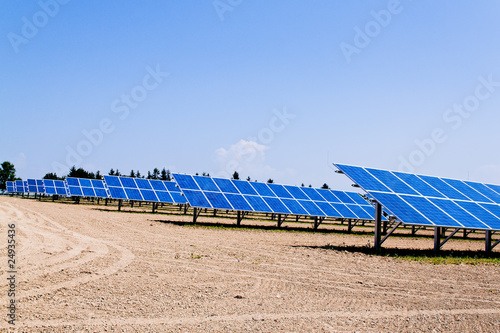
x: 84, y: 269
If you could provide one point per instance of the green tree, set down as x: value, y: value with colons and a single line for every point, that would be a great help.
x: 138, y: 174
x: 270, y: 181
x: 52, y: 175
x: 98, y: 175
x: 80, y: 173
x: 325, y: 186
x: 156, y: 173
x: 248, y: 179
x: 117, y: 173
x: 7, y: 173
x: 132, y: 173
x: 236, y: 175
x: 111, y: 172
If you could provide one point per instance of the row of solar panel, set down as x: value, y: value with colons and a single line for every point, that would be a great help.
x: 428, y: 186
x: 219, y: 193
x: 112, y: 187
x: 433, y: 201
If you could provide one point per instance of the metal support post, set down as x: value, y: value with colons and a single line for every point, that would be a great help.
x: 378, y: 224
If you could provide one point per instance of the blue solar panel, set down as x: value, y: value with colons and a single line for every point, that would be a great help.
x: 276, y: 205
x: 328, y: 195
x: 164, y: 196
x: 328, y: 209
x: 244, y: 187
x: 139, y: 189
x: 83, y: 187
x: 11, y: 187
x: 35, y: 186
x: 391, y: 181
x: 436, y: 201
x: 398, y: 207
x: 206, y: 184
x: 296, y: 192
x: 258, y: 204
x: 312, y: 194
x: 360, y: 212
x: 217, y: 200
x: 459, y: 214
x: 361, y: 176
x: 432, y: 212
x: 263, y: 189
x: 344, y: 198
x: 357, y: 198
x: 186, y: 182
x: 240, y: 195
x: 117, y: 193
x: 486, y: 191
x: 483, y: 215
x: 55, y: 187
x: 144, y: 184
x: 444, y: 188
x: 158, y: 185
x: 149, y: 195
x: 419, y: 185
x: 197, y: 199
x: 128, y: 182
x: 468, y: 191
x: 312, y: 208
x: 238, y: 202
x: 133, y: 194
x: 226, y: 185
x: 280, y: 191
x: 344, y: 210
x: 294, y: 207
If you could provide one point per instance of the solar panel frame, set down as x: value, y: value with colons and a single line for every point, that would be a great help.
x: 140, y: 189
x: 84, y: 187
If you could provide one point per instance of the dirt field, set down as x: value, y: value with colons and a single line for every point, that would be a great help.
x: 84, y: 269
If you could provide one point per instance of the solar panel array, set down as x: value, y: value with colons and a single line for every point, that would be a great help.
x: 140, y: 189
x: 11, y: 187
x: 82, y: 187
x: 35, y: 186
x: 238, y: 195
x: 21, y: 186
x: 432, y: 201
x: 55, y: 187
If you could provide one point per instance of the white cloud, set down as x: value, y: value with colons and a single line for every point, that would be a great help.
x: 249, y: 159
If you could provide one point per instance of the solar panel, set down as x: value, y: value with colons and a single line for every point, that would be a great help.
x: 35, y: 186
x: 55, y: 187
x: 219, y: 193
x: 82, y: 187
x: 139, y: 189
x: 11, y: 187
x: 426, y: 200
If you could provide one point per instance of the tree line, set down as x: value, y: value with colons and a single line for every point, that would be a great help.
x: 8, y: 173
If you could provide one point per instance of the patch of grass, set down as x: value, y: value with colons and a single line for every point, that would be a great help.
x: 443, y: 257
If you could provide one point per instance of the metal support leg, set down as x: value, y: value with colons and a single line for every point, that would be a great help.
x: 487, y: 238
x: 239, y: 218
x: 120, y: 205
x: 279, y: 221
x: 378, y: 225
x: 437, y: 238
x: 384, y: 227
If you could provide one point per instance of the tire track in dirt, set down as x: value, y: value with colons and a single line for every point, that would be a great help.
x: 81, y: 241
x: 191, y: 321
x: 304, y: 279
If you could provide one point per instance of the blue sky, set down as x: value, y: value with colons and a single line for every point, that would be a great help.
x: 273, y: 89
